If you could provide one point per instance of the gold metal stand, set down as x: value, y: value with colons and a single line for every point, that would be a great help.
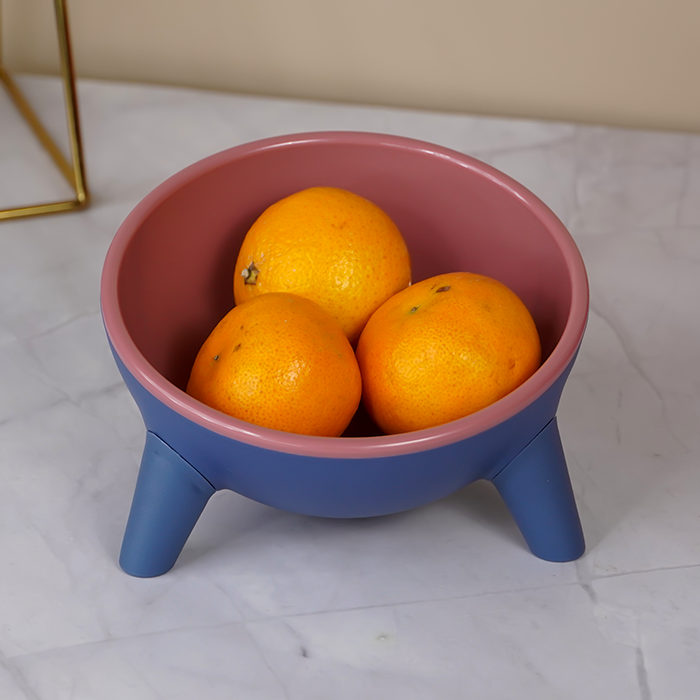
x: 73, y: 171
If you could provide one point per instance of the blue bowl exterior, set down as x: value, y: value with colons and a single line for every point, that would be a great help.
x: 338, y: 487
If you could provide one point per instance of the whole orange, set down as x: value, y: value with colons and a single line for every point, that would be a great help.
x: 328, y: 245
x: 282, y: 362
x: 444, y: 348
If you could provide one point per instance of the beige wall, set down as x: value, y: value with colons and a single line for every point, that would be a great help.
x: 625, y: 62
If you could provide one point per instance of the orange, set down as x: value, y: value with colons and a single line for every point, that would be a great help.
x: 444, y: 348
x: 282, y: 362
x: 328, y: 245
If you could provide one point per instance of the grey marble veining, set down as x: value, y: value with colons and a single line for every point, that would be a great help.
x: 441, y: 602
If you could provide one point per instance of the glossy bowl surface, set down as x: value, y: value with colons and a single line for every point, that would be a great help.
x: 167, y: 277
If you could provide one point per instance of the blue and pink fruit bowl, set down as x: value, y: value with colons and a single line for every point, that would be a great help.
x: 167, y: 280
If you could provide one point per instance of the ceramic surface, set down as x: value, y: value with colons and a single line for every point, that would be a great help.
x: 167, y: 282
x: 167, y: 278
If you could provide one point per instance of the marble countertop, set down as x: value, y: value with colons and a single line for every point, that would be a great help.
x: 444, y: 602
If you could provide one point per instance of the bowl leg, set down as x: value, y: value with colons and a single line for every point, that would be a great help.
x: 537, y: 490
x: 170, y: 496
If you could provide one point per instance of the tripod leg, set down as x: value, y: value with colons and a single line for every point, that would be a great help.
x: 170, y: 496
x: 537, y: 490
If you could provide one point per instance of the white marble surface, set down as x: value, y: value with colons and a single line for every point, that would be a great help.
x: 440, y: 603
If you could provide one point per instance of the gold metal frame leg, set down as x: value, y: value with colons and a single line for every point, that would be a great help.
x: 73, y: 170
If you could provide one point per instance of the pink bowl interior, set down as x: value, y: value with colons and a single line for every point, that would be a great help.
x: 168, y: 275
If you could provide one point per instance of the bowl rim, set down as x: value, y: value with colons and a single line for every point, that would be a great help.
x: 342, y: 447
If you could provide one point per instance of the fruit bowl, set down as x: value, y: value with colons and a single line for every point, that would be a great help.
x: 167, y: 280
